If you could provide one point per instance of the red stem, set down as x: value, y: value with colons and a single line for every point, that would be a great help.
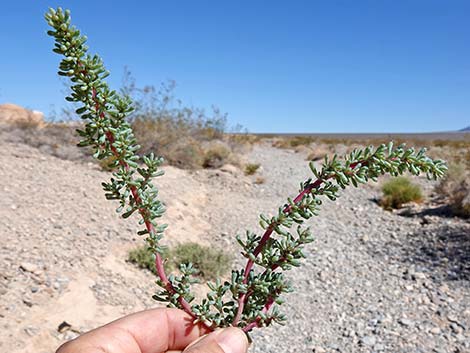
x: 150, y: 228
x: 267, y: 234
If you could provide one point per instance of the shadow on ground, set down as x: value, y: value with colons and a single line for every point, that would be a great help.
x: 442, y: 250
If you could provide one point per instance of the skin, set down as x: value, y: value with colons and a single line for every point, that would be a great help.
x: 157, y: 331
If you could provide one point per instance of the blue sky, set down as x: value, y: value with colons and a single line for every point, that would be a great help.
x: 273, y: 66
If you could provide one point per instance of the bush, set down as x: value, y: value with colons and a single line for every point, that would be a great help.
x: 163, y: 125
x: 293, y: 141
x: 216, y: 155
x: 456, y: 188
x: 251, y: 168
x: 318, y: 153
x: 210, y: 263
x: 399, y: 191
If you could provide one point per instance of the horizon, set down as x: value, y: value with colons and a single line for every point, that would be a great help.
x: 304, y: 68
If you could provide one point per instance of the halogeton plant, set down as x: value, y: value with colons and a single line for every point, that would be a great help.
x: 253, y: 295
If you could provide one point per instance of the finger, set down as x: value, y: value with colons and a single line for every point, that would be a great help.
x: 228, y: 340
x: 150, y: 331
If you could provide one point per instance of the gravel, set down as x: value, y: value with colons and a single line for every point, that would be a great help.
x: 373, y: 281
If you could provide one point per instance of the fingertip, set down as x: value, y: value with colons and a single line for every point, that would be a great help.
x: 227, y: 340
x: 232, y: 340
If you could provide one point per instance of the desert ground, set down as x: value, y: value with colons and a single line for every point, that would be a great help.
x: 373, y: 280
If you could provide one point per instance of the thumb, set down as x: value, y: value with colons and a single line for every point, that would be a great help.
x: 227, y: 340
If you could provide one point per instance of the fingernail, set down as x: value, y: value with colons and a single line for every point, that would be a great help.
x: 232, y: 340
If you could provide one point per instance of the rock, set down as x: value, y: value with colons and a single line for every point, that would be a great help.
x: 31, y: 330
x: 456, y: 328
x: 64, y: 326
x: 379, y: 347
x: 405, y: 322
x: 28, y: 302
x: 230, y: 168
x: 11, y: 114
x: 368, y: 341
x: 452, y: 318
x: 29, y: 267
x: 318, y: 350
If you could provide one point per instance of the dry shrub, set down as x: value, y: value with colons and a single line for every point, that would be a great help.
x: 293, y: 141
x: 317, y: 153
x: 251, y: 168
x: 185, y: 153
x: 455, y: 187
x: 216, y: 155
x: 399, y: 191
x: 244, y: 138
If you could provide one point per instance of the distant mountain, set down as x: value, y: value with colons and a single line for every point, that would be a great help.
x: 466, y: 129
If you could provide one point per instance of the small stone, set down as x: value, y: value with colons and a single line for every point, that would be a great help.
x: 229, y: 168
x: 405, y: 322
x: 64, y: 326
x: 456, y: 328
x: 368, y: 340
x: 29, y: 267
x: 31, y: 331
x: 28, y: 302
x: 435, y: 330
x: 379, y: 347
x: 34, y: 289
x: 318, y: 350
x: 418, y: 275
x: 70, y: 335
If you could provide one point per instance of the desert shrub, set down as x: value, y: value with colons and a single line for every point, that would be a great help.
x: 244, y: 138
x: 186, y: 154
x: 251, y: 168
x: 209, y: 262
x: 143, y: 257
x: 216, y: 155
x: 455, y: 187
x: 293, y: 141
x: 163, y: 124
x: 317, y: 153
x: 399, y: 191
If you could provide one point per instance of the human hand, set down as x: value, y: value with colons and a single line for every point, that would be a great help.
x: 157, y: 331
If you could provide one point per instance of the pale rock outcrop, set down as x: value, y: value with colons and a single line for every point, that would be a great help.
x: 12, y: 114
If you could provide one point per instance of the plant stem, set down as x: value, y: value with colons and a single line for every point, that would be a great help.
x: 150, y: 228
x: 267, y: 234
